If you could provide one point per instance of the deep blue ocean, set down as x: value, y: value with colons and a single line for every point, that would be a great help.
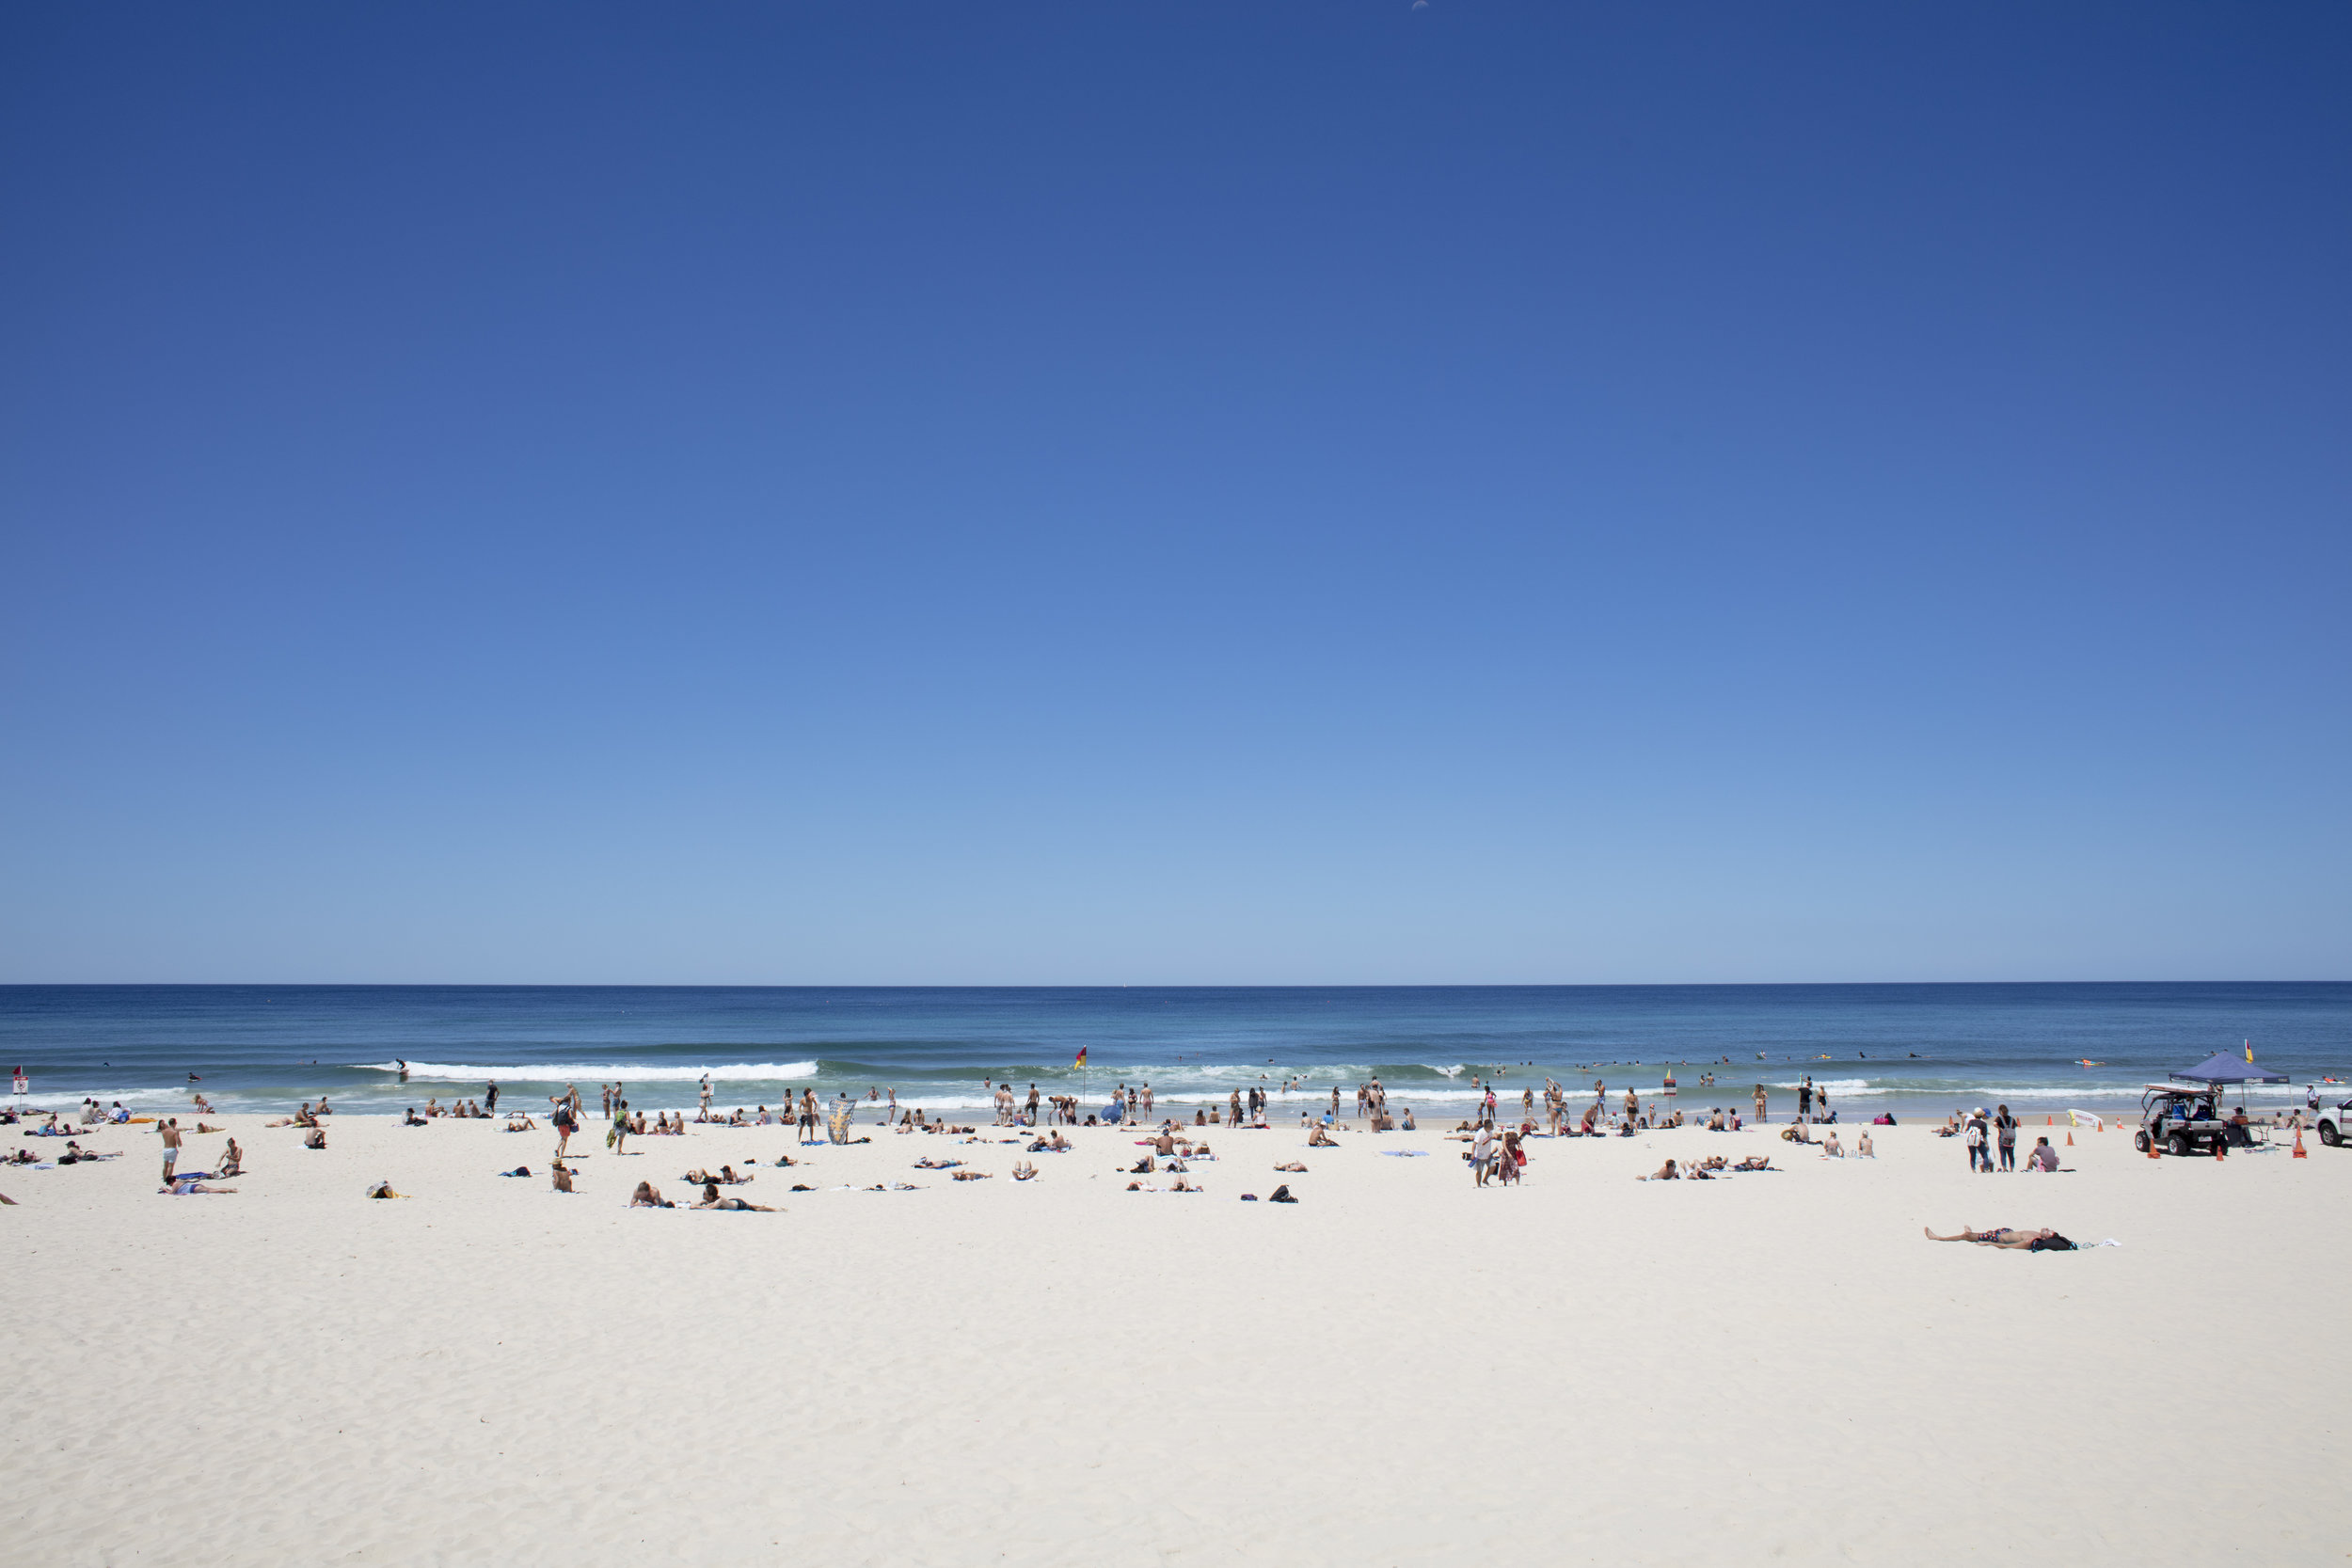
x: 1912, y: 1049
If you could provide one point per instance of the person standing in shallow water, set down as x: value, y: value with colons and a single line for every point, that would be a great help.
x: 1759, y: 1105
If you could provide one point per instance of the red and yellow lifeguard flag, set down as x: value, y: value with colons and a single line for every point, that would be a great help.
x: 1082, y: 1056
x: 2249, y: 1051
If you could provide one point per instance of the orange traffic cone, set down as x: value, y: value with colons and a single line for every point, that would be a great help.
x: 2221, y: 1151
x: 2049, y: 1121
x: 2151, y: 1149
x: 2069, y: 1137
x: 2298, y: 1143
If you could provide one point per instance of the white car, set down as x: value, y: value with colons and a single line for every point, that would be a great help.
x: 2335, y: 1121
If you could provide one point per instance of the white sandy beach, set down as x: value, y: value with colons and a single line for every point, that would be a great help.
x: 1400, y: 1369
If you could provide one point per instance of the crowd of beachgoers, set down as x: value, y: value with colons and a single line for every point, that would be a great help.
x: 1173, y: 1145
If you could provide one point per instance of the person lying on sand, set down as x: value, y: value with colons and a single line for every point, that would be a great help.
x: 520, y: 1121
x: 2006, y: 1236
x: 382, y: 1189
x: 735, y: 1205
x: 1663, y: 1173
x: 412, y: 1119
x: 1293, y: 1165
x: 970, y: 1176
x: 647, y: 1195
x: 188, y: 1185
x: 1024, y: 1171
x: 1755, y: 1162
x: 1185, y: 1186
x: 1142, y: 1167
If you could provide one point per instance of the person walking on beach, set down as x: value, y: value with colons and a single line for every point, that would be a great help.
x: 2004, y: 1126
x: 1804, y: 1098
x: 706, y: 1097
x: 1759, y: 1105
x: 1482, y: 1153
x: 169, y: 1128
x: 490, y: 1099
x: 562, y: 1120
x: 1974, y: 1135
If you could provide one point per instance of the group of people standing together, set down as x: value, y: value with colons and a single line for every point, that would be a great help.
x: 1982, y: 1137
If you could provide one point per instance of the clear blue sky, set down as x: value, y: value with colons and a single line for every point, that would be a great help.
x: 1250, y: 492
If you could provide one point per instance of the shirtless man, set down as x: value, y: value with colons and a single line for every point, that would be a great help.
x: 170, y: 1130
x: 712, y: 1200
x: 1663, y: 1173
x: 2000, y: 1236
x: 561, y: 1177
x: 232, y: 1161
x: 647, y: 1195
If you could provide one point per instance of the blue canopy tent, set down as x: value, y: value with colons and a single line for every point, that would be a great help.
x: 2223, y: 1068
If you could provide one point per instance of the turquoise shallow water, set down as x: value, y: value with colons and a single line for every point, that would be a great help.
x: 1909, y: 1048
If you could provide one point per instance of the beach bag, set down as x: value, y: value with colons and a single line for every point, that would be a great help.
x: 2050, y: 1244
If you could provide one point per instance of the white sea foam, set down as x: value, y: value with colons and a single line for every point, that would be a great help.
x: 600, y: 1072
